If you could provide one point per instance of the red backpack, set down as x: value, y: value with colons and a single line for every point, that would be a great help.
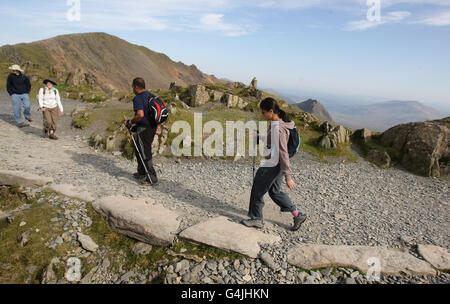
x: 158, y: 110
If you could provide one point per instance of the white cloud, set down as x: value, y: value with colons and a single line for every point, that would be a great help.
x: 215, y: 23
x: 440, y: 19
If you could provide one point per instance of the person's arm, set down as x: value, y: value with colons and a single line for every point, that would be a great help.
x: 138, y: 107
x: 41, y: 98
x: 9, y: 85
x: 28, y: 83
x: 58, y: 101
x: 284, y: 159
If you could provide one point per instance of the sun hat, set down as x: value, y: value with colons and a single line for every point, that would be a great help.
x: 49, y: 80
x: 16, y: 67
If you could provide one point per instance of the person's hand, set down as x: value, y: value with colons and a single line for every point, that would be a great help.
x: 290, y: 183
x: 61, y: 113
x: 158, y: 130
x: 127, y: 123
x: 43, y: 109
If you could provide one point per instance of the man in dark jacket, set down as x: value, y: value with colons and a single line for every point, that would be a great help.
x: 19, y: 87
x: 145, y: 130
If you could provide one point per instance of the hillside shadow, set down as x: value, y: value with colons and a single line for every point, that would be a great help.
x: 27, y: 130
x: 174, y: 189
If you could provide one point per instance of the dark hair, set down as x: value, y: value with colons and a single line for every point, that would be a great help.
x: 271, y: 104
x: 139, y: 82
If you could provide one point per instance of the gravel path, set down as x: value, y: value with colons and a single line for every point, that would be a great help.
x: 346, y: 203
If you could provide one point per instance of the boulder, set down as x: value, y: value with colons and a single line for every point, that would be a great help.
x: 141, y: 219
x: 221, y: 233
x: 254, y: 83
x: 336, y: 136
x: 216, y: 95
x: 392, y: 261
x: 86, y: 242
x: 198, y: 95
x: 72, y: 192
x: 363, y: 135
x: 437, y: 256
x: 234, y: 101
x: 24, y: 179
x: 422, y: 147
x: 380, y: 158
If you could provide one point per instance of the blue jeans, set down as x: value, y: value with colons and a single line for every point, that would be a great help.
x: 17, y: 99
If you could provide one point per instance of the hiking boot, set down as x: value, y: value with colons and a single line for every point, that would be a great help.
x: 138, y: 175
x: 253, y: 223
x: 52, y: 136
x: 146, y: 182
x: 29, y: 119
x: 298, y: 221
x: 22, y: 125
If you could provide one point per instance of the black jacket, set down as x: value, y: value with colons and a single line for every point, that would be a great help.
x: 18, y: 84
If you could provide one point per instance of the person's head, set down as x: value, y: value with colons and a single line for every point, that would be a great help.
x: 16, y: 69
x: 49, y: 83
x: 138, y: 85
x: 271, y: 110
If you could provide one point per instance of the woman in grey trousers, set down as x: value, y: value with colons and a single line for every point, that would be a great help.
x: 269, y: 178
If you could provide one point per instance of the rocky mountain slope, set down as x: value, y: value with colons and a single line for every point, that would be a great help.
x: 316, y: 108
x: 99, y: 61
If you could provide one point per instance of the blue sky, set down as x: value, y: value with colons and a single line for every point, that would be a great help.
x: 318, y: 46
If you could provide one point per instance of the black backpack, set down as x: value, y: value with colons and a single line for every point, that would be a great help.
x: 294, y: 142
x: 157, y: 110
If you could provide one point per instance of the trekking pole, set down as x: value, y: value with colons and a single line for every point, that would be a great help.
x: 140, y: 156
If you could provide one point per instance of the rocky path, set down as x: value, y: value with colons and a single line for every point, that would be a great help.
x: 347, y: 203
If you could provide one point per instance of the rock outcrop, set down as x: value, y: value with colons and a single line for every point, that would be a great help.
x: 11, y: 178
x: 422, y: 147
x: 391, y: 261
x: 380, y: 158
x: 221, y: 233
x: 437, y: 256
x: 141, y: 219
x: 72, y: 192
x: 198, y: 95
x: 363, y: 135
x: 233, y: 101
x: 336, y: 136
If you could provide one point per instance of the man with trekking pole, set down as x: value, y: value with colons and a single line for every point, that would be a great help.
x: 150, y: 113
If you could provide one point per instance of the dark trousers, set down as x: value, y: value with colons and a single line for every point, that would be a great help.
x: 268, y: 179
x: 144, y: 141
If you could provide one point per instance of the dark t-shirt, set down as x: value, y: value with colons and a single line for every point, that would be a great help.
x: 140, y: 102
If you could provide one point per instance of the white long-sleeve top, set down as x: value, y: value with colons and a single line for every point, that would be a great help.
x: 50, y: 99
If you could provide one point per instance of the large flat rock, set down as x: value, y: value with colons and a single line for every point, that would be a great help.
x: 437, y: 256
x: 19, y: 178
x: 392, y: 261
x: 221, y: 233
x: 141, y: 219
x: 72, y: 192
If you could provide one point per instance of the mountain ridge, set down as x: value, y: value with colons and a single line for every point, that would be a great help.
x: 100, y: 60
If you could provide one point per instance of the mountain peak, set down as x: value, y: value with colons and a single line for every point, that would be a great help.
x: 314, y: 107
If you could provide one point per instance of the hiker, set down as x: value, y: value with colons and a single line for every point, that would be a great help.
x: 49, y: 104
x: 269, y: 179
x: 18, y: 86
x: 145, y: 128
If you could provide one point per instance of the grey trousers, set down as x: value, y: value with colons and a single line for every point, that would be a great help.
x: 268, y: 179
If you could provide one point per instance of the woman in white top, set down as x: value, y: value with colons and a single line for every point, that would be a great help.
x: 49, y: 103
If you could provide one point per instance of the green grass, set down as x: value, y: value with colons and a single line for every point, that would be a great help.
x: 310, y: 144
x: 82, y: 119
x: 35, y: 252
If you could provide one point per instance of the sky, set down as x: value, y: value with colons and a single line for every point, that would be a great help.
x: 380, y: 49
